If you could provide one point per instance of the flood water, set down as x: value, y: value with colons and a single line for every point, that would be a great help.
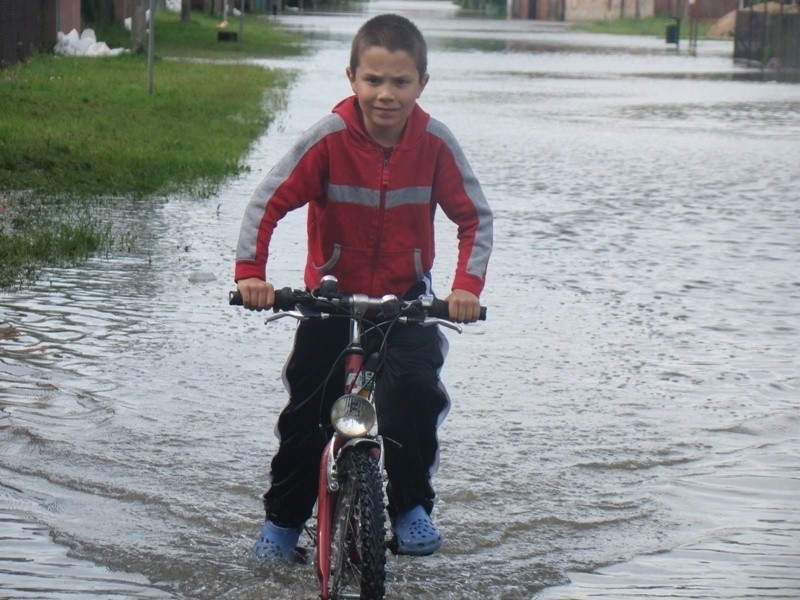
x: 624, y: 425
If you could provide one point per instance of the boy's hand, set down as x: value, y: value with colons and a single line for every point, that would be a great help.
x: 463, y: 306
x: 257, y: 294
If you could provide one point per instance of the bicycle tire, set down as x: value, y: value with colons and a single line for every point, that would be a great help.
x: 358, y: 551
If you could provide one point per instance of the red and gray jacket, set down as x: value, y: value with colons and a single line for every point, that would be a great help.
x: 371, y: 210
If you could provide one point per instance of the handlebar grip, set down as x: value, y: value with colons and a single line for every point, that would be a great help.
x: 440, y: 310
x: 284, y: 299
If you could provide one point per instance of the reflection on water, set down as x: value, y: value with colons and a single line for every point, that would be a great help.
x: 626, y: 420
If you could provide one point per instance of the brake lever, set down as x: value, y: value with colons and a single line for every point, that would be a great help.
x: 279, y: 315
x: 450, y: 325
x: 430, y: 322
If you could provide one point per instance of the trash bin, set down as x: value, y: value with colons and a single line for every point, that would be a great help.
x: 672, y: 34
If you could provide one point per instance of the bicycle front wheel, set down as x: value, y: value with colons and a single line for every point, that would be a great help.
x: 358, y: 553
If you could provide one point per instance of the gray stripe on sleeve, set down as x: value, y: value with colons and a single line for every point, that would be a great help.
x: 254, y: 213
x: 482, y: 248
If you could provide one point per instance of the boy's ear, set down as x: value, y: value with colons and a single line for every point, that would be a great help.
x: 351, y: 76
x: 423, y: 82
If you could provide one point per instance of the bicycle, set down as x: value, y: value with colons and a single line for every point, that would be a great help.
x: 350, y: 533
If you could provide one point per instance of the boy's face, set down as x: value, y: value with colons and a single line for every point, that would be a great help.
x: 387, y: 85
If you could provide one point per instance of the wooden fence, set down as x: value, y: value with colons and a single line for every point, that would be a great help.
x: 771, y: 39
x: 20, y: 30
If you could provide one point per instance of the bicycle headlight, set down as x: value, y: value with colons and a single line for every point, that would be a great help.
x: 353, y: 415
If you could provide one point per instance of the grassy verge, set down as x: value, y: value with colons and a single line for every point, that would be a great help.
x: 651, y: 26
x: 84, y: 128
x: 198, y: 38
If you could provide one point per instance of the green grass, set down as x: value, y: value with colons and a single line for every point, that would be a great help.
x: 74, y: 130
x: 198, y: 38
x: 88, y: 126
x: 651, y: 26
x: 41, y: 233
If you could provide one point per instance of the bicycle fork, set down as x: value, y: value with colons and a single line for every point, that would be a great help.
x: 328, y: 487
x: 328, y: 481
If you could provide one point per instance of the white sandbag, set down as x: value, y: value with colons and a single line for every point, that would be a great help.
x: 65, y: 44
x: 85, y: 44
x: 98, y: 49
x: 82, y: 46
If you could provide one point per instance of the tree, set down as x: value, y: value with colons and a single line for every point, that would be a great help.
x: 139, y: 26
x: 186, y: 11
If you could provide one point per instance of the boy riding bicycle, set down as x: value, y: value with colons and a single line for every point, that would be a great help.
x: 372, y: 173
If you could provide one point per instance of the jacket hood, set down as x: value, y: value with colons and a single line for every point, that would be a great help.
x: 349, y: 110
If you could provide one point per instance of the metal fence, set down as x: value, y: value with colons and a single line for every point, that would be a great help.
x: 20, y: 30
x: 771, y: 39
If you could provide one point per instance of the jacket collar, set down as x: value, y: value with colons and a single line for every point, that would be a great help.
x: 349, y: 111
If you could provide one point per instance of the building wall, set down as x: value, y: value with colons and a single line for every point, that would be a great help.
x: 523, y: 9
x: 608, y: 10
x: 703, y: 9
x: 714, y: 9
x: 541, y: 10
x: 586, y: 10
x: 551, y: 10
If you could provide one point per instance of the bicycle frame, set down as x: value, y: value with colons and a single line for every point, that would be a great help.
x: 328, y: 483
x: 356, y: 394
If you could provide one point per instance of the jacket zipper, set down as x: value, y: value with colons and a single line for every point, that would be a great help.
x: 381, y: 216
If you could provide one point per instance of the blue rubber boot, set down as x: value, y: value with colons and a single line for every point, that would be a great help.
x: 415, y: 533
x: 276, y: 543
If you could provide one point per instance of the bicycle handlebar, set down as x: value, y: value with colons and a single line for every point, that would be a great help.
x: 287, y: 299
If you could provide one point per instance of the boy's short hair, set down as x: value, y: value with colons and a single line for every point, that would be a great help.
x: 394, y: 33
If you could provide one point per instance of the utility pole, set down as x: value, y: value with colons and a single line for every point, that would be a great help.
x: 150, y: 46
x: 241, y: 23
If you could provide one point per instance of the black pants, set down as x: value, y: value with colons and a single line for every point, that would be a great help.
x: 410, y: 402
